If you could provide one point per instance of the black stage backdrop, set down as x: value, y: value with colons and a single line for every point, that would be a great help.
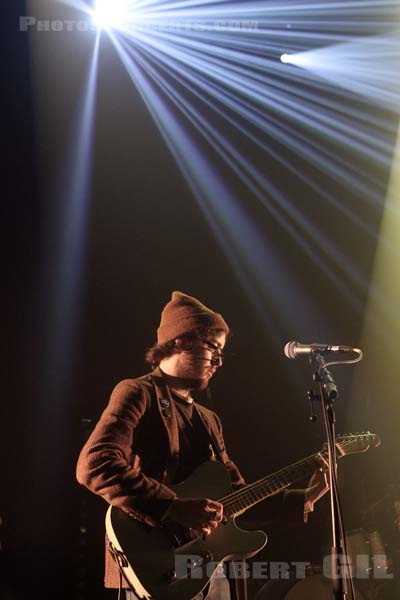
x: 146, y: 236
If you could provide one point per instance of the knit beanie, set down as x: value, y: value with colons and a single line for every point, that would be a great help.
x: 184, y: 314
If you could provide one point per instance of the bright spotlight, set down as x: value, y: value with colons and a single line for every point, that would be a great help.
x: 110, y: 13
x: 285, y: 58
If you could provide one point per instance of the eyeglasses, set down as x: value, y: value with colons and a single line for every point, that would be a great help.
x: 217, y: 354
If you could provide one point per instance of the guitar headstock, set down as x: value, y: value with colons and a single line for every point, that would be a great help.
x: 354, y: 443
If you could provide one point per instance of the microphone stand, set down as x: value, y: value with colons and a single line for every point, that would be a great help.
x: 343, y: 587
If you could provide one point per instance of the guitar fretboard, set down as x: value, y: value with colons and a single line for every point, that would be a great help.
x: 251, y: 494
x: 240, y: 500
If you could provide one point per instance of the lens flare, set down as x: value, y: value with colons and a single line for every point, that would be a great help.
x: 111, y: 13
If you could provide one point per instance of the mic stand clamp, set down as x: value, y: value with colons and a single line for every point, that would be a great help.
x: 325, y: 389
x: 312, y: 397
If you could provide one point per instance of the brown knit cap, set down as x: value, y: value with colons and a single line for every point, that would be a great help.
x: 184, y: 314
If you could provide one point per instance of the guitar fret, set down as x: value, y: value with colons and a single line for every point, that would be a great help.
x: 260, y: 490
x: 253, y: 493
x: 247, y: 500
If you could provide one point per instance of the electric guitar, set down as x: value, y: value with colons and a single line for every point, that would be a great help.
x: 165, y: 563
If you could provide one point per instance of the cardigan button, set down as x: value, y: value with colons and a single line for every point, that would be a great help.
x: 164, y: 402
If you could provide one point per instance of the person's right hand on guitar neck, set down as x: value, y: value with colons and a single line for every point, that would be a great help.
x: 199, y: 516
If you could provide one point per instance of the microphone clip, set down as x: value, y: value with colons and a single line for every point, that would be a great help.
x: 323, y: 376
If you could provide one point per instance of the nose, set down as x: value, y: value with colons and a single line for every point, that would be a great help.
x: 216, y: 360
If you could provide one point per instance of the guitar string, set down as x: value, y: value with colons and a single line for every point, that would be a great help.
x: 241, y: 499
x: 261, y: 489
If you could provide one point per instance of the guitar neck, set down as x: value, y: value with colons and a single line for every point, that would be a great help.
x: 240, y: 500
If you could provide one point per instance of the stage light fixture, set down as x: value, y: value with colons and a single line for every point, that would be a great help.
x: 285, y: 58
x: 298, y: 58
x: 110, y: 13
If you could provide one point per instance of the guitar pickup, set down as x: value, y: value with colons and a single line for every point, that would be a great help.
x: 177, y: 534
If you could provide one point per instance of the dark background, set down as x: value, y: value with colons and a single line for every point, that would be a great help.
x: 145, y: 236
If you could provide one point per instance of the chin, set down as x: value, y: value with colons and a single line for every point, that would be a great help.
x: 203, y: 385
x: 199, y: 384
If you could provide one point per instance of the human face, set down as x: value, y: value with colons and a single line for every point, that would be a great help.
x: 198, y: 362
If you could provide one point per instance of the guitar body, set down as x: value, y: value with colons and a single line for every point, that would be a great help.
x: 162, y: 564
x: 155, y: 567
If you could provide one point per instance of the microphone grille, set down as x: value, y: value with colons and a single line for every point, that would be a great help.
x: 290, y: 349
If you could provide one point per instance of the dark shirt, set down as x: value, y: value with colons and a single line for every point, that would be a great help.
x: 194, y: 441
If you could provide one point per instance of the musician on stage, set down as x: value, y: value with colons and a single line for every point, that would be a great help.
x: 152, y: 435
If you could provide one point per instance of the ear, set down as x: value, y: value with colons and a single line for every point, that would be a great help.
x: 182, y: 343
x: 179, y: 345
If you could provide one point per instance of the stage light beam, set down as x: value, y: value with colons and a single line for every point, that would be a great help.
x: 233, y: 69
x: 364, y: 65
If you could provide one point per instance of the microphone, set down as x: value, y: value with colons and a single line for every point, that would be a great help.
x: 294, y: 349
